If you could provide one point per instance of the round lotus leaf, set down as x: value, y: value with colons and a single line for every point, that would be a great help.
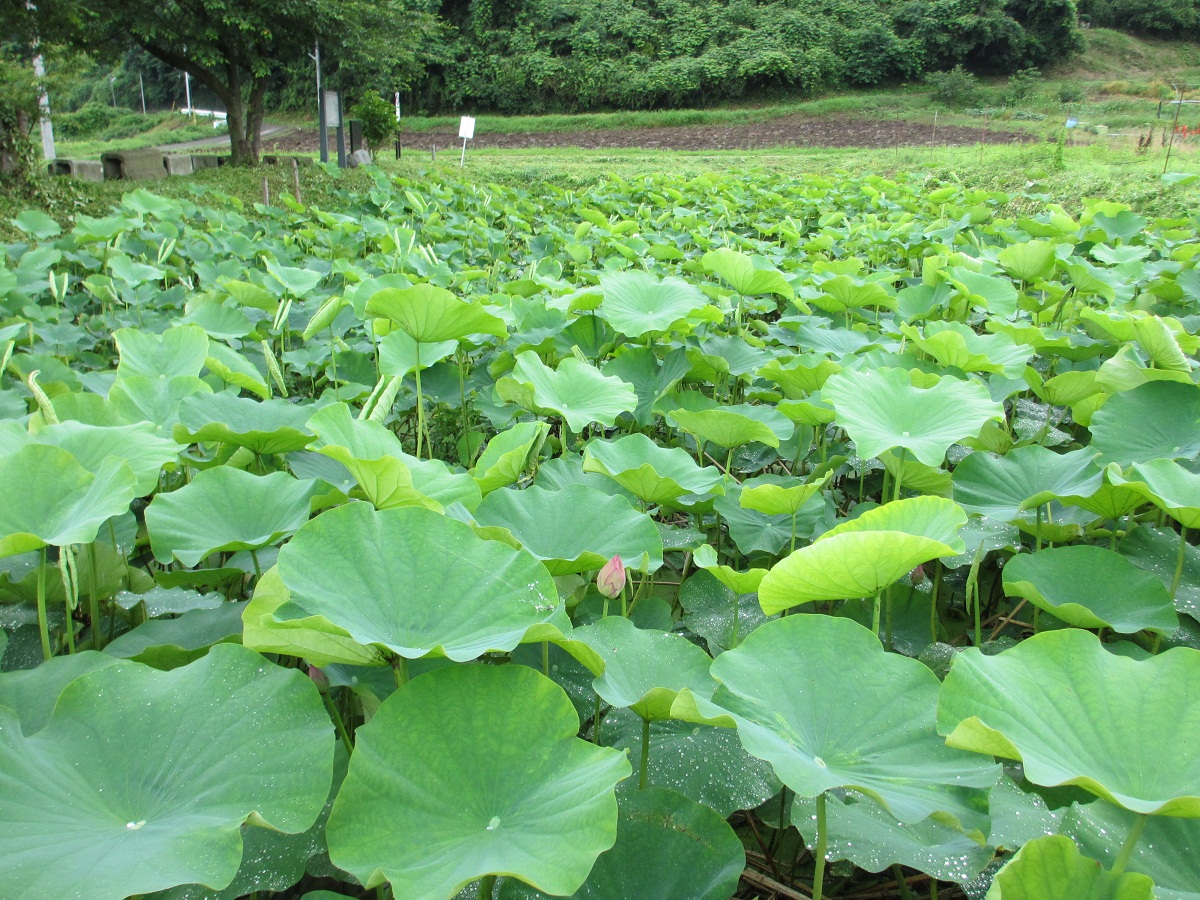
x: 507, y: 456
x: 1091, y: 587
x: 48, y: 498
x: 575, y: 390
x: 735, y: 425
x: 703, y: 762
x: 225, y: 509
x: 644, y: 670
x: 821, y: 700
x: 135, y: 445
x: 1076, y: 714
x: 1053, y: 867
x: 776, y: 495
x: 1157, y: 419
x: 883, y: 409
x: 1166, y: 851
x: 637, y: 303
x: 747, y: 274
x: 955, y: 345
x: 431, y: 314
x: 178, y: 351
x: 263, y: 427
x: 860, y: 557
x: 175, y: 642
x: 704, y: 856
x: 156, y: 400
x: 1156, y: 550
x: 575, y: 529
x: 32, y: 693
x: 1028, y: 261
x: 415, y: 582
x: 474, y: 770
x: 142, y: 779
x: 863, y: 832
x: 1168, y: 485
x: 1003, y: 487
x: 651, y: 473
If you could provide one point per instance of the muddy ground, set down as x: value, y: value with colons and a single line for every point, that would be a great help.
x: 793, y: 131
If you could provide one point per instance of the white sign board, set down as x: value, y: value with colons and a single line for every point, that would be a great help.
x: 333, y: 109
x: 466, y: 128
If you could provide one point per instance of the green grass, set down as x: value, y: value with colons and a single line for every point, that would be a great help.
x: 176, y: 130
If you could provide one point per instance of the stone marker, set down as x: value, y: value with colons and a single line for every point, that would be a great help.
x: 179, y: 165
x: 141, y: 165
x: 79, y: 169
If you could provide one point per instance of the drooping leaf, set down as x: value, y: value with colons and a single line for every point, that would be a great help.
x: 652, y: 473
x: 637, y: 303
x: 575, y: 390
x: 1052, y: 866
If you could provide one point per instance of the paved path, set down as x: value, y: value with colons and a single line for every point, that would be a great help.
x: 223, y: 140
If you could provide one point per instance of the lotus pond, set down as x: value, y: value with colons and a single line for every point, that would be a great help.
x: 670, y: 539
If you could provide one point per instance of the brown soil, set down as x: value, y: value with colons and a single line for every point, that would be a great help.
x: 793, y: 131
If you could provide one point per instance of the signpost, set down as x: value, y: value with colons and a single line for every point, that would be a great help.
x: 466, y: 131
x: 333, y: 119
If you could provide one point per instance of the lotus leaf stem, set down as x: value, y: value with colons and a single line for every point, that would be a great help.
x: 1135, y: 832
x: 643, y: 772
x: 338, y: 723
x: 1179, y: 558
x: 819, y: 849
x: 487, y: 886
x: 43, y: 623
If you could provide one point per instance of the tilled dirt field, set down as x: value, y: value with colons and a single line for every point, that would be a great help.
x: 788, y: 132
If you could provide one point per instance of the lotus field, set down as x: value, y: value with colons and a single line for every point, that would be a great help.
x: 670, y: 539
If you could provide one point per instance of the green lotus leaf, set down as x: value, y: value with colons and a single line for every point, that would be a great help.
x: 884, y: 409
x: 265, y: 428
x: 1025, y: 478
x: 651, y: 473
x: 1157, y: 550
x: 748, y: 582
x: 48, y: 498
x: 1168, y: 485
x: 842, y: 293
x: 400, y: 355
x: 653, y: 825
x: 703, y: 762
x: 470, y: 771
x: 177, y: 352
x: 866, y: 834
x: 37, y: 224
x: 139, y: 398
x: 1074, y: 713
x: 717, y: 612
x: 508, y: 455
x: 132, y: 273
x: 233, y: 368
x: 313, y: 638
x: 1166, y: 851
x: 32, y: 693
x: 775, y: 495
x: 576, y: 391
x: 143, y: 791
x: 415, y: 582
x: 860, y: 557
x: 171, y: 643
x: 644, y: 670
x: 431, y: 314
x: 735, y: 425
x: 575, y: 529
x: 821, y: 700
x: 651, y: 378
x: 747, y: 274
x: 638, y: 303
x: 801, y: 376
x: 225, y: 510
x: 1028, y: 261
x: 135, y: 445
x: 953, y: 344
x: 1052, y: 866
x: 996, y: 295
x: 1091, y: 587
x: 1157, y: 419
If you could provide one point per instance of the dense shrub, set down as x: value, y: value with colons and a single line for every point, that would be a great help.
x: 1165, y: 18
x: 378, y: 119
x: 958, y: 87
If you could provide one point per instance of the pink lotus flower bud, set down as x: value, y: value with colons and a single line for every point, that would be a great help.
x: 610, y: 580
x: 319, y: 678
x: 918, y: 575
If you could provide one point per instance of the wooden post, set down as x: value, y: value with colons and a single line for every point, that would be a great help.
x: 1175, y: 124
x: 933, y: 140
x: 296, y: 179
x: 266, y: 192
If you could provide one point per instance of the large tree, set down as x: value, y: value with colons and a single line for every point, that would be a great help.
x: 233, y: 47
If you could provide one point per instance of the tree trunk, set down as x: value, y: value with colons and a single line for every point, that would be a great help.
x: 254, y: 118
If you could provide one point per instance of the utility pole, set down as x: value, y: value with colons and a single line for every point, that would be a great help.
x: 39, y: 71
x: 112, y: 86
x: 187, y: 91
x: 142, y: 89
x: 324, y: 137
